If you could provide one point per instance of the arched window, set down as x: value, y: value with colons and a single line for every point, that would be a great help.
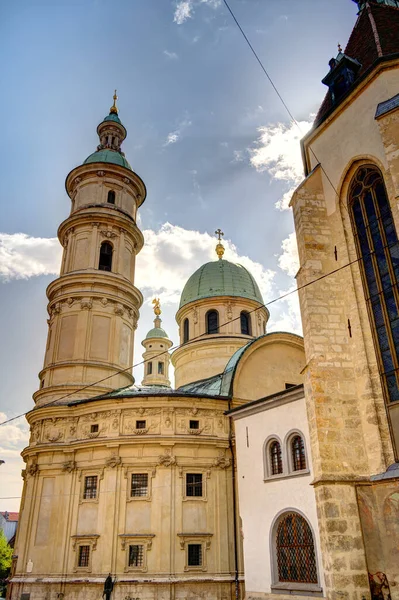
x: 276, y: 461
x: 377, y: 243
x: 298, y: 453
x: 105, y: 263
x: 245, y: 319
x: 296, y: 560
x: 186, y: 331
x: 111, y: 197
x: 160, y: 368
x: 212, y: 322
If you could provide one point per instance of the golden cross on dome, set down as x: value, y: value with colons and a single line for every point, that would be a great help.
x: 219, y: 245
x: 114, y: 109
x: 219, y: 233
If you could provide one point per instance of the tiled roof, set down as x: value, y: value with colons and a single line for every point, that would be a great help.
x: 10, y: 516
x: 367, y: 45
x: 384, y: 107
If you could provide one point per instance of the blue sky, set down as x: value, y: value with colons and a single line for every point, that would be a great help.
x: 206, y: 132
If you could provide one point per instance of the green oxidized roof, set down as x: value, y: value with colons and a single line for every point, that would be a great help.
x: 113, y: 117
x: 108, y: 156
x: 220, y: 278
x: 156, y: 332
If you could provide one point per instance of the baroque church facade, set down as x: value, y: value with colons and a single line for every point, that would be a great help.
x: 273, y: 455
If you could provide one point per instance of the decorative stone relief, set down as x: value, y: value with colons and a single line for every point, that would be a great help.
x: 77, y: 180
x: 167, y: 460
x: 126, y: 180
x: 222, y: 462
x: 35, y: 433
x: 113, y: 461
x: 229, y: 311
x: 108, y: 233
x: 119, y: 309
x: 69, y: 466
x: 86, y: 303
x: 100, y: 173
x: 195, y: 315
x: 33, y: 468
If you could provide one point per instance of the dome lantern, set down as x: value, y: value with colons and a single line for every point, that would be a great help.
x: 156, y: 355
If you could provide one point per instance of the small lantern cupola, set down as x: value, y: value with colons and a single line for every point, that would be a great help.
x: 111, y: 131
x: 156, y: 355
x: 343, y: 72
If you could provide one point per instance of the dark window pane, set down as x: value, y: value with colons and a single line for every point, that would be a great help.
x: 84, y: 555
x: 194, y: 484
x: 393, y: 389
x: 90, y: 487
x: 276, y: 460
x: 298, y: 453
x: 194, y: 555
x: 212, y: 322
x: 139, y: 486
x: 105, y: 263
x: 136, y: 555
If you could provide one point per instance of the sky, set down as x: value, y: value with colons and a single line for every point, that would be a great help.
x: 206, y: 132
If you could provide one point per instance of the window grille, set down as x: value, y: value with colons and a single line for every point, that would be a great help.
x: 212, y: 322
x: 295, y: 550
x: 194, y: 484
x: 84, y: 555
x: 105, y: 263
x: 136, y: 555
x: 139, y: 487
x: 245, y: 320
x: 93, y: 428
x: 194, y: 424
x: 298, y: 453
x: 194, y: 555
x: 140, y: 424
x: 90, y: 487
x: 377, y: 242
x: 186, y: 331
x: 111, y: 197
x: 276, y: 460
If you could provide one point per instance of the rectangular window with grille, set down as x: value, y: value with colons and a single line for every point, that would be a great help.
x: 139, y: 485
x: 84, y: 555
x: 194, y: 555
x: 90, y: 488
x: 194, y: 484
x: 194, y: 424
x: 140, y: 424
x: 136, y: 555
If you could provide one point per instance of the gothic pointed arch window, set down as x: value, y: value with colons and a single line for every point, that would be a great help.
x: 245, y: 321
x: 295, y: 551
x: 212, y: 322
x: 105, y: 262
x: 111, y: 197
x: 186, y: 331
x: 378, y: 247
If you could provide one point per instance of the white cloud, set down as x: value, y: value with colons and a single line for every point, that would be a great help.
x: 14, y: 437
x: 238, y: 156
x: 174, y: 136
x: 171, y: 254
x: 288, y: 261
x: 171, y: 55
x: 277, y: 150
x: 23, y: 256
x: 185, y: 9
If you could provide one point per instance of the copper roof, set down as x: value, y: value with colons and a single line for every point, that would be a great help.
x: 374, y: 37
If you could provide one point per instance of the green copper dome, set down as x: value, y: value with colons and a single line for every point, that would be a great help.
x: 113, y: 117
x: 108, y: 156
x: 220, y: 278
x: 156, y: 332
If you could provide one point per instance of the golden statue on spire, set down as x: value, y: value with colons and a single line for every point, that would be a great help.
x: 219, y: 246
x: 114, y: 110
x: 157, y: 306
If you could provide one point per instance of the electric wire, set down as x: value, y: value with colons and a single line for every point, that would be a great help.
x: 131, y: 367
x: 265, y: 305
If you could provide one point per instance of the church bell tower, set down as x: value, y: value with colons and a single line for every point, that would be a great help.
x: 93, y: 305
